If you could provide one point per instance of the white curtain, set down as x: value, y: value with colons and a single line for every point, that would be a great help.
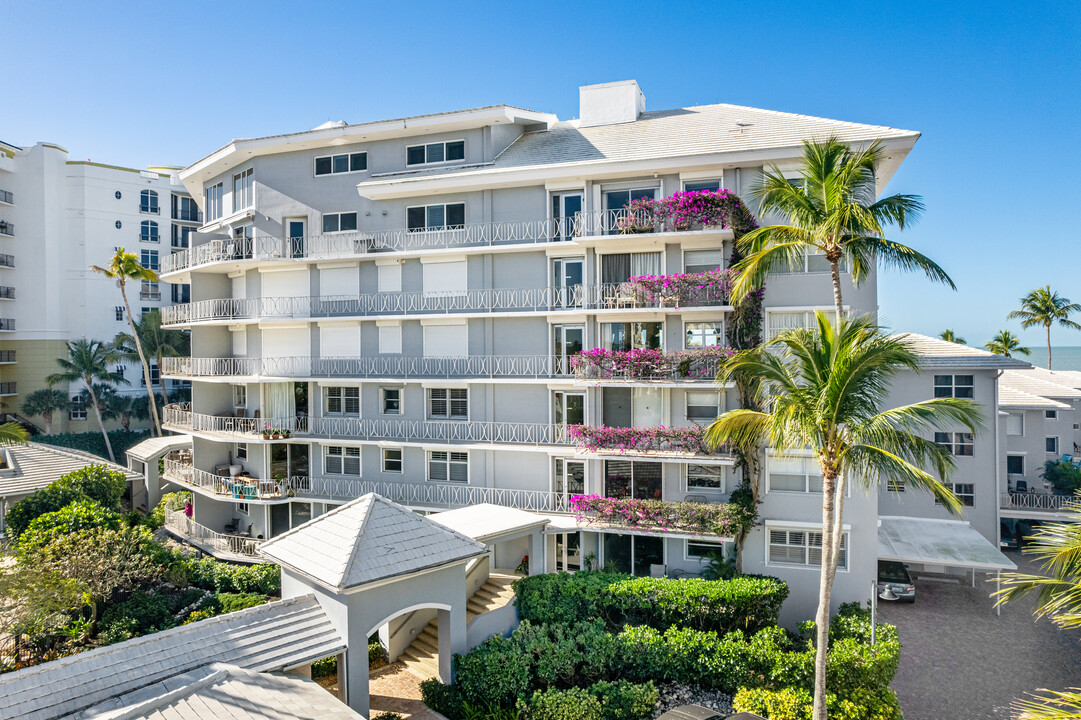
x: 645, y: 264
x: 280, y: 401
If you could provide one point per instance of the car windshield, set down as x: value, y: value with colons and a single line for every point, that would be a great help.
x: 893, y: 572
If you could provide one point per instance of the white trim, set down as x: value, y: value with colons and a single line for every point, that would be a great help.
x: 383, y: 459
x: 433, y: 259
x: 388, y: 323
x: 692, y: 558
x: 703, y: 174
x: 805, y: 525
x: 383, y: 262
x: 443, y: 322
x: 338, y: 265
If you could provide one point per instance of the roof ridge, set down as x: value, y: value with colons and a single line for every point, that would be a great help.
x: 374, y: 497
x: 786, y: 113
x: 293, y: 531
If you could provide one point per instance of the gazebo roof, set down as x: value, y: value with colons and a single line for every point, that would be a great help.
x: 485, y: 521
x: 368, y: 540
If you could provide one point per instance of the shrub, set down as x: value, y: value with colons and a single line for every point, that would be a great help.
x: 231, y: 602
x: 444, y: 699
x: 495, y: 672
x: 156, y: 517
x: 797, y: 704
x: 326, y: 667
x: 93, y: 443
x: 49, y: 499
x: 1062, y: 475
x: 619, y: 700
x: 223, y: 577
x: 376, y: 652
x: 98, y: 483
x: 79, y: 515
x: 387, y: 716
x: 571, y: 704
x: 140, y: 614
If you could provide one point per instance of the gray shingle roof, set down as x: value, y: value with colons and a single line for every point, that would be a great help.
x: 155, y: 446
x: 368, y: 539
x: 220, y: 690
x: 935, y: 352
x: 485, y: 521
x: 1009, y: 397
x: 36, y: 465
x: 1036, y: 381
x: 268, y: 637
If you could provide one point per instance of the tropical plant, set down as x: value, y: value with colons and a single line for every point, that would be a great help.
x: 121, y: 407
x: 951, y: 336
x: 45, y: 402
x: 88, y: 362
x: 826, y: 388
x: 12, y: 433
x: 123, y: 267
x: 157, y: 342
x: 1006, y: 343
x: 832, y: 210
x: 1045, y: 307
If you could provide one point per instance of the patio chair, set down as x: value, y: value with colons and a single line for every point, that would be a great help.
x: 1067, y: 459
x: 657, y: 571
x: 232, y: 526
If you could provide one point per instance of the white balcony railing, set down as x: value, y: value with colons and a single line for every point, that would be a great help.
x: 602, y: 296
x: 179, y: 523
x: 265, y: 248
x: 476, y: 366
x: 1038, y: 501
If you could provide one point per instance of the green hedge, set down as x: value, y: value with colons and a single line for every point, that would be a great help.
x: 798, y: 703
x: 47, y: 500
x: 73, y: 517
x: 223, y: 577
x: 746, y: 603
x: 94, y: 443
x: 94, y: 482
x: 619, y: 700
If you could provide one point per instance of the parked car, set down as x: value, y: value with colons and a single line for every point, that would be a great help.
x: 699, y: 712
x: 894, y: 576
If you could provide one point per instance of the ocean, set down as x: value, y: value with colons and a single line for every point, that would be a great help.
x: 1062, y: 358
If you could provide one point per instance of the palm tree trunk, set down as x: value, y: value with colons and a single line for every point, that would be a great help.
x: 1048, y: 327
x: 825, y: 588
x: 835, y: 271
x: 48, y: 420
x: 97, y: 411
x: 142, y: 359
x: 161, y: 382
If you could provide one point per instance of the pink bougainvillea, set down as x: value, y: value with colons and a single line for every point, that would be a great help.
x: 640, y: 439
x: 684, y: 289
x: 643, y: 364
x: 724, y: 519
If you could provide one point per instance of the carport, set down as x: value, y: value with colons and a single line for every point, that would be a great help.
x: 945, y: 543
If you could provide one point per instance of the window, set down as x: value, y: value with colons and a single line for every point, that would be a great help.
x: 965, y: 492
x: 390, y: 401
x: 793, y: 474
x: 703, y: 549
x: 448, y: 403
x: 242, y: 451
x: 435, y: 152
x: 184, y: 208
x: 148, y: 202
x: 77, y: 411
x: 148, y: 231
x: 339, y: 222
x: 703, y: 405
x: 390, y: 340
x: 155, y: 375
x: 640, y: 480
x: 435, y: 217
x: 392, y: 460
x: 242, y: 508
x: 802, y: 547
x: 334, y: 164
x: 242, y: 189
x: 446, y: 466
x: 959, y: 443
x: 703, y: 334
x: 213, y: 201
x: 705, y: 477
x: 119, y: 312
x: 700, y: 261
x: 956, y: 386
x: 341, y: 460
x: 778, y: 322
x: 1015, y: 464
x: 149, y: 291
x: 180, y: 293
x: 699, y: 185
x: 620, y: 267
x: 893, y: 485
x: 1051, y: 445
x: 240, y: 396
x: 149, y: 259
x: 632, y: 336
x: 1015, y: 424
x: 180, y: 236
x: 1050, y: 414
x: 342, y: 400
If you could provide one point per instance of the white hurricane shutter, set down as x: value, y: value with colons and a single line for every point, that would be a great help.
x: 339, y: 341
x: 447, y: 278
x: 339, y: 282
x: 286, y: 342
x: 389, y: 278
x: 240, y: 342
x: 289, y: 284
x: 1015, y: 424
x: 390, y: 340
x: 446, y: 341
x: 239, y: 287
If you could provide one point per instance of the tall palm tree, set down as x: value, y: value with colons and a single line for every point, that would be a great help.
x: 123, y: 267
x: 117, y: 406
x: 45, y: 402
x: 951, y: 336
x: 1006, y: 343
x: 1044, y: 307
x: 825, y: 390
x: 157, y: 342
x: 88, y: 362
x: 1058, y: 597
x: 832, y: 210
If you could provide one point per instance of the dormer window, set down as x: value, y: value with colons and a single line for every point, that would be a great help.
x: 435, y: 153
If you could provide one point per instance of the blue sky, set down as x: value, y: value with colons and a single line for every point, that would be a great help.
x: 994, y: 87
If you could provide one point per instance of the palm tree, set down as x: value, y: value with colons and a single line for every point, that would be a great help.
x: 831, y: 210
x: 824, y: 394
x: 124, y: 267
x: 949, y: 336
x: 45, y: 402
x: 1044, y: 307
x: 120, y: 407
x: 87, y: 362
x: 1006, y: 343
x: 1058, y: 597
x: 157, y: 342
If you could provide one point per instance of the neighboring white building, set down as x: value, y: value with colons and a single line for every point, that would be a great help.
x: 57, y: 218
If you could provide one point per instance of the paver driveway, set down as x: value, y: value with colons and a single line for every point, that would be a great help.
x: 960, y: 661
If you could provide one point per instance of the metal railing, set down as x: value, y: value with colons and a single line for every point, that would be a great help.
x: 681, y: 366
x: 474, y: 366
x: 187, y: 215
x: 179, y: 523
x: 1038, y: 501
x: 7, y: 356
x: 602, y: 296
x: 266, y: 248
x: 7, y: 197
x: 7, y: 228
x: 180, y: 415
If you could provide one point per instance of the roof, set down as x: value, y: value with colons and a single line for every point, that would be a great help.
x: 485, y: 521
x: 220, y: 690
x: 1035, y: 382
x: 935, y: 352
x: 367, y: 540
x: 953, y: 543
x: 36, y: 465
x: 274, y: 636
x: 155, y: 447
x: 1009, y: 397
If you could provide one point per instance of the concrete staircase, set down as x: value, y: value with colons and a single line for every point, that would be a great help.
x: 421, y: 657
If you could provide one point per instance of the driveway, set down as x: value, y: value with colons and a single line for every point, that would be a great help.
x: 960, y: 660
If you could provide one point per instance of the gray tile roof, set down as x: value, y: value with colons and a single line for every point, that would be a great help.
x: 1036, y: 381
x: 938, y: 353
x: 156, y: 446
x: 268, y: 637
x: 485, y: 521
x: 368, y: 539
x: 1009, y: 397
x: 36, y: 465
x: 220, y: 690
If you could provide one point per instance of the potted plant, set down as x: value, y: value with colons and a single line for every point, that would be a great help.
x: 640, y: 217
x: 286, y: 433
x: 266, y: 431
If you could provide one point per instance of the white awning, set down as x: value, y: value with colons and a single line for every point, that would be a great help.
x: 952, y: 543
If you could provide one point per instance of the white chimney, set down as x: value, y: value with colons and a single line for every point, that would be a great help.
x: 610, y: 103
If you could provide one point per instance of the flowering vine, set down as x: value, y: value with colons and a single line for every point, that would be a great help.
x: 724, y: 519
x: 644, y: 364
x: 640, y: 439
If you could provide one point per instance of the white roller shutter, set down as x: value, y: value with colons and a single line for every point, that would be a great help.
x: 240, y: 342
x: 445, y: 278
x: 390, y: 278
x: 338, y: 282
x: 286, y: 342
x: 292, y: 283
x: 339, y: 341
x: 390, y: 339
x: 238, y: 287
x: 446, y: 341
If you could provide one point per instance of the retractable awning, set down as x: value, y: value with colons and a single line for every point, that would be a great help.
x: 951, y: 543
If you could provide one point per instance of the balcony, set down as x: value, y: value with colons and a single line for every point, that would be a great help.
x: 1038, y: 502
x: 6, y: 197
x: 7, y: 357
x: 645, y: 442
x: 222, y: 545
x: 7, y: 389
x: 7, y: 228
x: 351, y: 245
x: 722, y: 519
x: 474, y: 366
x: 592, y: 298
x: 187, y: 215
x: 694, y: 365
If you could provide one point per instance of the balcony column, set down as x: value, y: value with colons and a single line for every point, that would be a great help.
x: 453, y: 634
x: 538, y: 553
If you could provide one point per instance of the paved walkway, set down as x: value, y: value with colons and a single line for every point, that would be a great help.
x: 958, y: 660
x: 395, y: 689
